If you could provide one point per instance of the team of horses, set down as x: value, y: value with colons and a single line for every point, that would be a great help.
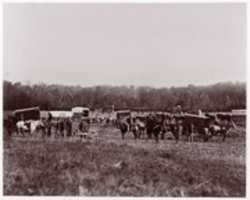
x: 156, y: 126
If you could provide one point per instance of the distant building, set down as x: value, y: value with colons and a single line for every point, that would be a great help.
x: 242, y: 112
x: 239, y: 117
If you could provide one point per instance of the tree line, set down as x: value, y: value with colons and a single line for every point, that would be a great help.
x: 217, y: 97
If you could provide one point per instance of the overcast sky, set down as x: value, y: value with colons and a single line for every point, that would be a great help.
x: 125, y: 44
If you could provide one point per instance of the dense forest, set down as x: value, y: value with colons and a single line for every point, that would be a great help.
x: 217, y: 97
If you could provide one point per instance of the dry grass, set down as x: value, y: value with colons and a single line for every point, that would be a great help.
x: 108, y: 166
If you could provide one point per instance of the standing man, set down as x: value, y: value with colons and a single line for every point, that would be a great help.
x: 61, y: 127
x: 149, y: 125
x: 49, y: 125
x: 69, y: 127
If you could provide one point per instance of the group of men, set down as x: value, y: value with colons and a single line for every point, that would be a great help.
x: 59, y: 127
x: 66, y: 127
x: 153, y: 126
x: 157, y: 126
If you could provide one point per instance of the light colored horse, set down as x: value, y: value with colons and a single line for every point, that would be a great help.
x: 21, y: 127
x: 35, y: 125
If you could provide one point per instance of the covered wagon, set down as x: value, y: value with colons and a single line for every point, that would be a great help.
x: 122, y: 114
x: 25, y: 114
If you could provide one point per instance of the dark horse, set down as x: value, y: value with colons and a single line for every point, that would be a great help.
x: 154, y: 126
x: 124, y: 126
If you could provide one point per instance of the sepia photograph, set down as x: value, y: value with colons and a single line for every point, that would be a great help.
x: 124, y: 99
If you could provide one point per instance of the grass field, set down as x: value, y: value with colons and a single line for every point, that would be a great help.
x: 108, y: 166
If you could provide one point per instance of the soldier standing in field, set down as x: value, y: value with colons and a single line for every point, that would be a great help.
x: 9, y: 124
x: 69, y: 127
x: 61, y: 127
x: 83, y: 128
x: 49, y: 121
x: 134, y: 127
x: 149, y: 125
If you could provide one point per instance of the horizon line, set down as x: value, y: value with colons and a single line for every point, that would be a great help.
x: 125, y: 85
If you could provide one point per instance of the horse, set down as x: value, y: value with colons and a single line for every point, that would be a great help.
x: 141, y: 128
x: 124, y: 126
x: 21, y: 128
x: 154, y: 126
x: 37, y: 126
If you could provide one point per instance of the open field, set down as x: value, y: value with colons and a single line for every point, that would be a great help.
x: 108, y: 166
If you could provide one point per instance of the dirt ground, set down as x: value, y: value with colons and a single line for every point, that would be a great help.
x: 106, y: 165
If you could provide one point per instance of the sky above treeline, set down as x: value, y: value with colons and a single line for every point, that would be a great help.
x: 125, y: 44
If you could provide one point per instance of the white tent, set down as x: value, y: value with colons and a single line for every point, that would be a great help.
x: 61, y: 114
x: 79, y: 109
